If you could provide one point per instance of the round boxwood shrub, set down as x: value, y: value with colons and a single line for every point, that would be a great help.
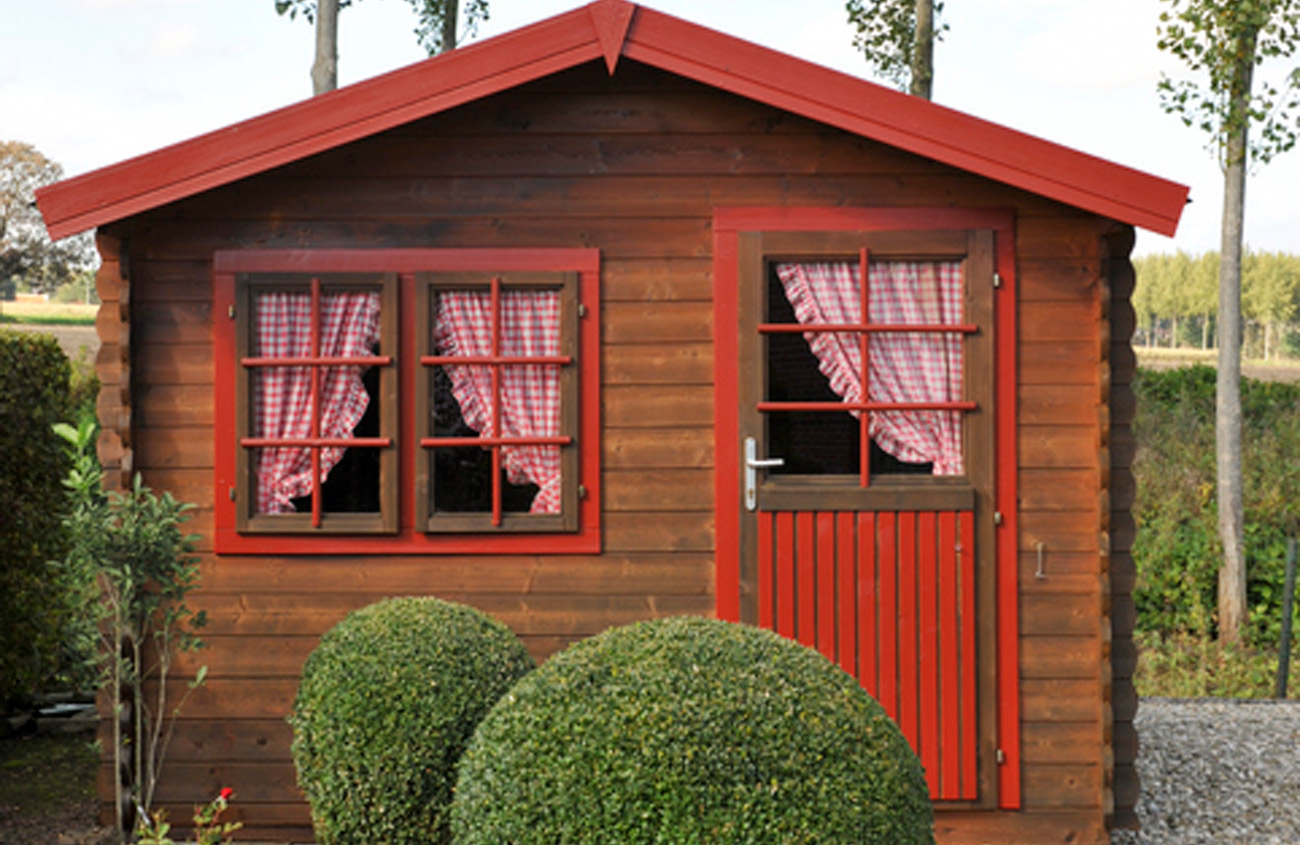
x: 387, y: 703
x: 689, y: 731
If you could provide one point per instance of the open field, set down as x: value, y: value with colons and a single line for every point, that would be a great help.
x: 1286, y: 369
x: 47, y: 312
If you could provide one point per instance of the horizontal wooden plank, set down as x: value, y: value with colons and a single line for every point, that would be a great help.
x: 1061, y: 742
x: 608, y: 574
x: 1068, y: 362
x: 1060, y: 615
x: 1048, y: 405
x: 1061, y: 786
x: 659, y: 363
x: 166, y: 405
x: 174, y: 364
x: 1057, y: 534
x: 658, y: 490
x: 247, y: 740
x: 305, y: 615
x: 1058, y: 321
x: 656, y: 322
x: 1060, y: 658
x: 1059, y: 490
x: 657, y: 280
x: 667, y: 532
x: 1052, y: 280
x: 1040, y: 827
x: 626, y: 406
x: 187, y: 447
x: 1060, y: 700
x: 1057, y: 447
x: 642, y: 448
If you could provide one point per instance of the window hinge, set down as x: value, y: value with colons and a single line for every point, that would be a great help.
x: 997, y: 279
x: 230, y: 312
x: 582, y: 310
x: 582, y: 491
x: 997, y: 517
x: 233, y: 495
x: 1002, y: 757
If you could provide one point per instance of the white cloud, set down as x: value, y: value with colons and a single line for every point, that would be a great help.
x: 171, y: 40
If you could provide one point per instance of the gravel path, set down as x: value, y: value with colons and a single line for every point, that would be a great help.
x: 1218, y: 771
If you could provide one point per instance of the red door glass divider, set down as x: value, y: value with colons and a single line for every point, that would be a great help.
x: 495, y: 361
x: 314, y: 442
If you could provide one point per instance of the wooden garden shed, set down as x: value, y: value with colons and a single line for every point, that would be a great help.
x: 739, y: 335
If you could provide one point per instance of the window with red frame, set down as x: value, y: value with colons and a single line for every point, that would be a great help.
x: 428, y: 408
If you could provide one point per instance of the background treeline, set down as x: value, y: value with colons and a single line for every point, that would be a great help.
x: 1177, y: 548
x: 1177, y: 302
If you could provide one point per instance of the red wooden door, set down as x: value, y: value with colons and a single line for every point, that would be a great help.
x: 875, y: 547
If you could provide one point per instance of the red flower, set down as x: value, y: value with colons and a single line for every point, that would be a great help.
x: 226, y: 792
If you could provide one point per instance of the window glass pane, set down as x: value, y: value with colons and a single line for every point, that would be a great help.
x: 827, y: 367
x: 345, y: 404
x: 496, y: 399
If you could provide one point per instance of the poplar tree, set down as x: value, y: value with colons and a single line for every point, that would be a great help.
x: 1222, y: 42
x: 897, y: 37
x: 437, y: 29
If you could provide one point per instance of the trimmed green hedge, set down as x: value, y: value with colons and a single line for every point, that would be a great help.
x: 386, y: 706
x: 34, y: 377
x: 689, y: 731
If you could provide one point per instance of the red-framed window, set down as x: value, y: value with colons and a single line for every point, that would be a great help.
x: 406, y: 401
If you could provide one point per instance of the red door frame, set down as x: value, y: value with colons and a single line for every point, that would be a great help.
x: 728, y: 223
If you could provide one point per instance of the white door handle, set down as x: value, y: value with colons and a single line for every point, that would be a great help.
x: 753, y: 463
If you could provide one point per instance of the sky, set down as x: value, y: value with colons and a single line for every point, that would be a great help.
x: 93, y: 82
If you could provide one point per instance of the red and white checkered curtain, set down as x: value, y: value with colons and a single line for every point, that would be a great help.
x: 349, y: 326
x: 530, y: 394
x: 904, y: 367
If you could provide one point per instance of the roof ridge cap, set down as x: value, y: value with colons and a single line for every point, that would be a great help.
x: 612, y: 20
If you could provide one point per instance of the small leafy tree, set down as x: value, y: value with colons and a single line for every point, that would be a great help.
x: 143, y: 569
x: 897, y: 37
x: 1222, y: 42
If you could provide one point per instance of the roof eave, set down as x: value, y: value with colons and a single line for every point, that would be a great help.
x: 591, y: 33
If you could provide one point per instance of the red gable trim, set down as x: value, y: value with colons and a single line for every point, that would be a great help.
x: 605, y: 30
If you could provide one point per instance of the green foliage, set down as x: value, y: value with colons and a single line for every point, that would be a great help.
x: 431, y: 16
x: 131, y: 547
x: 26, y: 254
x: 885, y: 32
x: 1184, y: 665
x: 1223, y: 41
x: 1177, y: 547
x: 34, y: 610
x: 386, y: 705
x: 689, y: 731
x: 1183, y: 289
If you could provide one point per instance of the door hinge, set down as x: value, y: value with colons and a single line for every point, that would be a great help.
x: 582, y: 310
x: 233, y: 495
x: 1002, y: 757
x: 230, y: 312
x: 997, y: 279
x: 582, y: 491
x: 997, y: 517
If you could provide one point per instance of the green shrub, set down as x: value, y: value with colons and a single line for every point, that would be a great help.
x: 34, y: 377
x: 689, y: 731
x: 1177, y: 549
x: 387, y: 703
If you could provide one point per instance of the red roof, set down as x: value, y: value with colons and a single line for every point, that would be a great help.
x: 611, y: 29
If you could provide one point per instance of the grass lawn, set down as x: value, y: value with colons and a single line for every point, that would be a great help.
x: 47, y: 790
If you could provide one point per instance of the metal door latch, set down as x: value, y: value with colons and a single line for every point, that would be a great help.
x: 752, y: 465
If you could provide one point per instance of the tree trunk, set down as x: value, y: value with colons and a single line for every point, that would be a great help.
x: 1227, y: 427
x: 450, y: 11
x: 325, y: 70
x: 923, y: 50
x: 1173, y: 332
x: 1205, y: 332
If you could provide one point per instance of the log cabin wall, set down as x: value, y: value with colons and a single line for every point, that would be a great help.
x: 633, y: 165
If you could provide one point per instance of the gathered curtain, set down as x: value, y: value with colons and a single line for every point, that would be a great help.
x: 530, y: 393
x: 903, y: 366
x: 349, y: 327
